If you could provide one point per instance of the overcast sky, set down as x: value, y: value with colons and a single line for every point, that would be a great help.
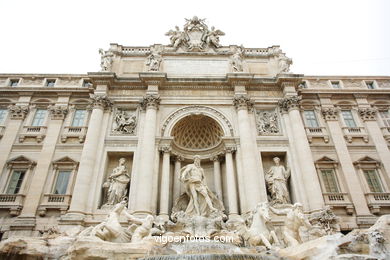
x: 343, y: 37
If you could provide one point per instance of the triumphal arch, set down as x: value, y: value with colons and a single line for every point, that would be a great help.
x: 192, y: 137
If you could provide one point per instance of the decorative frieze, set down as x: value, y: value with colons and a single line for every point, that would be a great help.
x: 57, y: 112
x: 267, y: 122
x: 101, y: 101
x: 125, y: 122
x: 330, y: 113
x: 289, y: 103
x: 17, y: 111
x: 367, y: 114
x: 243, y: 102
x: 150, y: 101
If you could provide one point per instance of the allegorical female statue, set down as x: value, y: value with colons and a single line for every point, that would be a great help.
x: 197, y: 200
x: 117, y: 183
x: 276, y: 179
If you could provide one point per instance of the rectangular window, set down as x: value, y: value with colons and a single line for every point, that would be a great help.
x: 373, y: 180
x: 13, y: 82
x: 78, y: 118
x: 3, y: 116
x: 50, y: 82
x: 348, y: 118
x: 311, y: 119
x: 385, y: 115
x: 39, y: 117
x: 370, y: 84
x: 62, y: 182
x: 15, y: 182
x: 335, y: 84
x: 330, y: 181
x: 87, y: 83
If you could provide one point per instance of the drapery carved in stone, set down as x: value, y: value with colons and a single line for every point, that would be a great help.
x: 153, y: 61
x: 58, y: 112
x: 125, y: 122
x: 243, y: 102
x: 101, y: 101
x: 330, y: 113
x: 150, y: 101
x: 236, y: 60
x: 267, y: 122
x: 289, y: 103
x: 368, y: 113
x: 106, y: 59
x: 17, y: 111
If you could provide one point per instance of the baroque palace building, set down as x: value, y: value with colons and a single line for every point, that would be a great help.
x: 63, y: 135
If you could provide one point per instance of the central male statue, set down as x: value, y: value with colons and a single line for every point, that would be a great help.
x: 197, y: 199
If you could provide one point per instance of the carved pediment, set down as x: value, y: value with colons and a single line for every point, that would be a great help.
x: 367, y: 160
x: 21, y: 161
x: 65, y: 161
x: 325, y: 160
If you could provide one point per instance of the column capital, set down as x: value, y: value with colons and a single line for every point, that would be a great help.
x: 367, y: 113
x: 230, y: 149
x: 18, y: 111
x: 330, y: 113
x: 288, y: 103
x: 177, y: 157
x: 165, y: 148
x: 243, y: 102
x: 57, y: 112
x: 216, y: 158
x: 100, y: 101
x: 150, y: 101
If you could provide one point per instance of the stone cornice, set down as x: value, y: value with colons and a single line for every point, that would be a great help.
x: 102, y: 78
x: 239, y: 78
x: 152, y: 78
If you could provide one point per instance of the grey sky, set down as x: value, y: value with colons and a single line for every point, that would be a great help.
x: 341, y: 37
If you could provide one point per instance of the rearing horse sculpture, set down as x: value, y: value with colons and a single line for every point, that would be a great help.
x: 259, y: 233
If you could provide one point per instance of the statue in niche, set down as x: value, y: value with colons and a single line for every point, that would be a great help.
x: 197, y: 200
x: 125, y: 122
x: 236, y: 60
x: 267, y: 123
x: 153, y: 61
x: 276, y: 179
x: 295, y: 219
x: 105, y: 60
x: 116, y: 186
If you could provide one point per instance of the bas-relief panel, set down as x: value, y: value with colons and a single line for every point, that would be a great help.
x: 319, y: 83
x: 351, y: 83
x: 383, y: 83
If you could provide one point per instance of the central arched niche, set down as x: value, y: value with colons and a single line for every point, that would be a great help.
x: 197, y: 132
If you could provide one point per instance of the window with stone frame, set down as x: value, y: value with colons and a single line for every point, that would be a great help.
x: 373, y: 180
x: 311, y: 118
x: 16, y: 181
x: 370, y: 84
x: 64, y: 169
x: 79, y: 117
x: 50, y: 82
x: 13, y: 82
x: 39, y: 117
x: 62, y: 182
x: 335, y: 84
x: 385, y: 115
x: 3, y: 115
x: 329, y: 180
x: 348, y: 118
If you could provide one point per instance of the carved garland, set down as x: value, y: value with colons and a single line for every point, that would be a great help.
x: 58, y: 112
x: 330, y: 113
x: 18, y: 112
x: 367, y: 114
x: 196, y: 109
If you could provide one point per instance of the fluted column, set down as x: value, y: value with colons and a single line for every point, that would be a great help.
x: 146, y: 165
x: 164, y: 189
x: 17, y: 113
x: 88, y: 155
x: 231, y: 182
x: 33, y: 196
x: 369, y: 116
x: 253, y: 183
x: 176, y: 176
x: 354, y: 186
x: 217, y: 176
x: 304, y: 155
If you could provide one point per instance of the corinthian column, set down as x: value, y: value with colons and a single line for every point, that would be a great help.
x: 33, y: 196
x: 88, y: 156
x: 303, y: 152
x: 369, y: 117
x: 231, y: 182
x: 164, y: 189
x: 17, y: 113
x: 355, y: 188
x: 254, y: 185
x: 143, y: 203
